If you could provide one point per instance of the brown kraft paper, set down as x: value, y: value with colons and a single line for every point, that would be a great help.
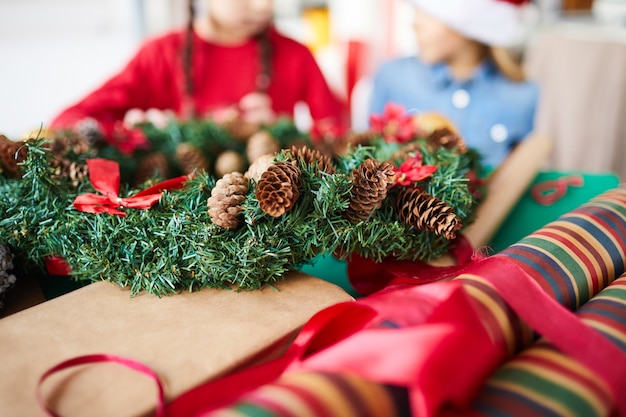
x: 186, y: 339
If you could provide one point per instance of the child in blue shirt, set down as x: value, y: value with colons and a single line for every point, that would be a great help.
x: 463, y: 72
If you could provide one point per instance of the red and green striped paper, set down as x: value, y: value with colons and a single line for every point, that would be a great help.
x: 542, y: 381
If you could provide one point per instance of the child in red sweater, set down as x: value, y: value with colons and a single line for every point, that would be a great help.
x: 231, y: 59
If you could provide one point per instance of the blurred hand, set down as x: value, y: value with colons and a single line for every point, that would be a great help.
x: 158, y: 118
x: 257, y: 108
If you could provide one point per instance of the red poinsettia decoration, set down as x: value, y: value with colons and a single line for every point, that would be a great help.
x: 394, y: 124
x: 412, y: 170
x: 126, y: 139
x: 326, y: 130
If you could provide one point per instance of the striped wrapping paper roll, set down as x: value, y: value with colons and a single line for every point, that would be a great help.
x: 320, y: 394
x: 542, y: 381
x: 572, y: 259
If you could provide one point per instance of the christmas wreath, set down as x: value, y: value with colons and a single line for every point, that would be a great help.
x: 393, y: 193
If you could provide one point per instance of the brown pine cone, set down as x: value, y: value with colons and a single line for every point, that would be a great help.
x: 65, y: 147
x: 423, y: 211
x: 445, y: 138
x: 340, y: 145
x: 229, y: 161
x: 258, y: 167
x: 11, y: 154
x: 361, y: 138
x: 312, y: 157
x: 75, y: 172
x: 259, y: 144
x: 7, y: 278
x: 190, y: 158
x: 372, y: 180
x: 226, y: 197
x: 277, y: 190
x: 153, y: 165
x: 68, y: 145
x: 404, y: 152
x: 91, y: 131
x: 240, y: 129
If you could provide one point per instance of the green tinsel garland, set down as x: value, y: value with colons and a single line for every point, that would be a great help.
x: 175, y: 246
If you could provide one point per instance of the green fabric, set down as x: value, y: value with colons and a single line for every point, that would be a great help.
x: 332, y: 270
x: 528, y: 215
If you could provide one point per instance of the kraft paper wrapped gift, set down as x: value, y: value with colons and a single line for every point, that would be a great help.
x: 185, y: 338
x: 566, y: 266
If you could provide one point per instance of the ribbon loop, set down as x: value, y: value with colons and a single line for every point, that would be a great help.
x: 104, y: 175
x: 549, y: 192
x: 103, y: 358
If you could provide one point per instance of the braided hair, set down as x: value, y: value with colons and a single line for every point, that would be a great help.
x: 189, y: 109
x: 262, y: 81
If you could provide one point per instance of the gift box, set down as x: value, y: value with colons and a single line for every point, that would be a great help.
x: 186, y: 338
x: 443, y: 348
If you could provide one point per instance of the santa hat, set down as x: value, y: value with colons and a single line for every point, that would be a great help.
x: 493, y: 22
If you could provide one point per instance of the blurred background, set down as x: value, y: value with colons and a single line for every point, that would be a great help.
x: 54, y: 51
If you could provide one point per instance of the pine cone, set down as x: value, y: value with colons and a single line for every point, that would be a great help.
x: 421, y: 210
x: 191, y: 158
x: 261, y: 143
x: 75, y: 172
x: 445, y: 138
x: 340, y: 145
x: 258, y: 167
x: 226, y: 197
x: 404, y: 152
x: 68, y: 145
x: 7, y: 279
x: 11, y: 154
x: 153, y: 165
x: 372, y: 180
x: 66, y: 148
x: 240, y: 129
x: 227, y: 162
x: 312, y: 157
x: 91, y: 131
x: 361, y: 138
x: 277, y: 190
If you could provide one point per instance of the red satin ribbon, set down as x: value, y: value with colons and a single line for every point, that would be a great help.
x: 89, y: 359
x: 352, y: 337
x: 441, y: 352
x: 549, y: 192
x: 367, y: 276
x: 324, y: 329
x: 105, y: 178
x: 544, y: 314
x: 55, y: 265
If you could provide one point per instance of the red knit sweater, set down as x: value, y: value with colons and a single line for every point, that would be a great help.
x: 222, y: 76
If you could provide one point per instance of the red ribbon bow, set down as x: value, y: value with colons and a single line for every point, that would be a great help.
x: 105, y: 177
